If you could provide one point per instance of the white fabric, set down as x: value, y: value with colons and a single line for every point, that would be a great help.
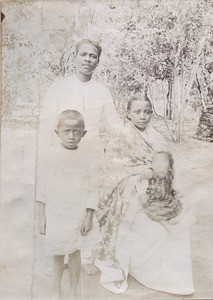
x: 160, y: 257
x: 154, y: 139
x: 91, y: 99
x: 67, y: 193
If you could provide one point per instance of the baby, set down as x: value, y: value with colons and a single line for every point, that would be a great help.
x: 163, y: 202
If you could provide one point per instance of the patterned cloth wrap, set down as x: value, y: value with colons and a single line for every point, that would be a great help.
x: 113, y: 217
x: 160, y: 191
x: 128, y: 154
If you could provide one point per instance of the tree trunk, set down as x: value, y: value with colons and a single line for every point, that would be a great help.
x: 182, y: 92
x: 179, y: 122
x: 169, y: 101
x: 178, y: 128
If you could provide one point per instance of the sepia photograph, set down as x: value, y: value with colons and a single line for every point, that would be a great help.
x: 106, y: 149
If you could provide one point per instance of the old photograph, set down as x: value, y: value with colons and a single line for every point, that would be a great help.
x: 106, y: 149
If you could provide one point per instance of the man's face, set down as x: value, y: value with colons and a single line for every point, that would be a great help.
x: 140, y: 113
x: 86, y: 59
x: 70, y: 133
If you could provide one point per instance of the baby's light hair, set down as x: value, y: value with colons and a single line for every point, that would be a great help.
x: 87, y: 41
x: 138, y: 98
x: 71, y: 115
x: 168, y: 155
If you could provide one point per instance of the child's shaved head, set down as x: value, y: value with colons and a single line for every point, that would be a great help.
x: 71, y: 115
x: 70, y: 128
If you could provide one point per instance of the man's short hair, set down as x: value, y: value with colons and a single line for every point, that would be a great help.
x: 87, y: 41
x: 71, y: 115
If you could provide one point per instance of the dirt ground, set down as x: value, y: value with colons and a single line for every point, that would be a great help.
x: 25, y: 271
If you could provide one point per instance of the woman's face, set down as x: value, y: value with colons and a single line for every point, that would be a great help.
x: 140, y: 113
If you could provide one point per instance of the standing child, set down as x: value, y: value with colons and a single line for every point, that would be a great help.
x: 80, y: 92
x: 69, y: 199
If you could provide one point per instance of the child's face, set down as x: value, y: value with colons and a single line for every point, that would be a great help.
x: 160, y: 165
x: 70, y: 133
x: 140, y: 114
x: 86, y: 59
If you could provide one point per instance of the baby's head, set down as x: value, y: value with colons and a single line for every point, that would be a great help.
x: 162, y: 165
x: 70, y: 128
x: 139, y: 111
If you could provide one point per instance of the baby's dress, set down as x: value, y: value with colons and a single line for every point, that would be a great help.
x: 70, y: 188
x: 161, y: 191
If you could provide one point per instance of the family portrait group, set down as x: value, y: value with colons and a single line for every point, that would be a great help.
x: 143, y: 230
x: 106, y: 150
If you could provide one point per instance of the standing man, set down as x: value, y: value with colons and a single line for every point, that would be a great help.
x: 77, y: 92
x: 80, y: 92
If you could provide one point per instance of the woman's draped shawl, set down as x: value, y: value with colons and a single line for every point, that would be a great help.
x: 127, y: 163
x: 129, y: 154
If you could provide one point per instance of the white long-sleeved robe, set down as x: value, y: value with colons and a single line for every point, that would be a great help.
x: 90, y: 98
x: 69, y: 187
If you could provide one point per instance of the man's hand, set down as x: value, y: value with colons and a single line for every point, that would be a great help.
x: 87, y: 223
x: 41, y: 218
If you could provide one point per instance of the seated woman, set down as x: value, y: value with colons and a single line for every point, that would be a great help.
x: 145, y: 229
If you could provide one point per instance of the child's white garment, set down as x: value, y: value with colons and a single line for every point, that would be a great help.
x: 70, y: 187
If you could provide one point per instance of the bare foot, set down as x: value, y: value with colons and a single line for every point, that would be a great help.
x: 90, y: 269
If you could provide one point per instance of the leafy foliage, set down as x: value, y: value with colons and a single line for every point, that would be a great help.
x: 152, y: 44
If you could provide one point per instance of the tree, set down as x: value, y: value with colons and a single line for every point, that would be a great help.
x: 150, y: 47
